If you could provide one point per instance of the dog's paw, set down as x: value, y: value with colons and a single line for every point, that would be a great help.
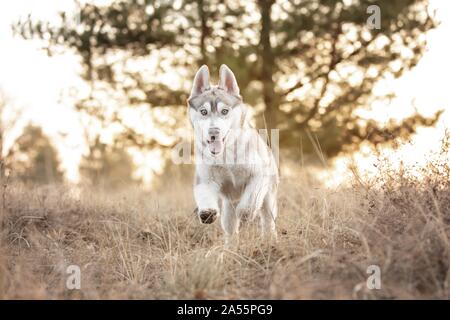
x: 207, y: 216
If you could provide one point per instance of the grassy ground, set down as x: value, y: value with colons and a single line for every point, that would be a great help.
x: 136, y: 244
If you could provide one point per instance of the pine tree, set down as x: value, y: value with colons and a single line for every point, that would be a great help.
x: 306, y: 66
x: 33, y: 158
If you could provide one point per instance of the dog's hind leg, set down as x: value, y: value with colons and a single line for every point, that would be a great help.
x: 269, y: 214
x: 252, y: 198
x: 229, y: 221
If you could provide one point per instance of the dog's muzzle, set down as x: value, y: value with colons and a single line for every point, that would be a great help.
x: 215, y: 141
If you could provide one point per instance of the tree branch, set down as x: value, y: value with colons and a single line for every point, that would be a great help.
x: 331, y: 66
x: 338, y: 60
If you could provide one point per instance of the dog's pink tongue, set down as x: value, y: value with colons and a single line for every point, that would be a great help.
x: 216, y: 146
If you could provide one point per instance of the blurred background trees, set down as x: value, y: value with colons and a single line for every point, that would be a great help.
x: 26, y: 153
x: 106, y: 165
x: 33, y: 158
x: 10, y: 119
x: 306, y: 67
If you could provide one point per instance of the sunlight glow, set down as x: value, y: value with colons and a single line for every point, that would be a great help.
x: 37, y: 82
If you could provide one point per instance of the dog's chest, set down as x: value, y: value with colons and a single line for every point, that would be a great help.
x: 231, y: 179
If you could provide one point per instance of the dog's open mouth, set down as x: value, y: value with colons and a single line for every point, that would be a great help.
x: 216, y: 146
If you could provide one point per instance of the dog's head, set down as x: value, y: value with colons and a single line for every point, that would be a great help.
x: 215, y: 110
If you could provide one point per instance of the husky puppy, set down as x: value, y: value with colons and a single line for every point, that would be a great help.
x: 236, y: 172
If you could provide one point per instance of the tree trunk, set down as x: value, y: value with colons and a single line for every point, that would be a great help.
x: 203, y: 31
x: 268, y: 65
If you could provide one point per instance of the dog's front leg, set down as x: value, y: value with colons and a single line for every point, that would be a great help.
x: 207, y: 198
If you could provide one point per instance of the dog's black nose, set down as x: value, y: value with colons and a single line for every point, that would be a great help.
x: 213, y: 133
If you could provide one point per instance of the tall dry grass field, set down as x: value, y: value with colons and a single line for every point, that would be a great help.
x: 135, y: 244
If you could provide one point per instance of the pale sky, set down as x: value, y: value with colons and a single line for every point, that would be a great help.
x: 36, y: 81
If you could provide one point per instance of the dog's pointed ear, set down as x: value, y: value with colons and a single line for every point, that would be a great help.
x: 201, y: 81
x: 227, y: 80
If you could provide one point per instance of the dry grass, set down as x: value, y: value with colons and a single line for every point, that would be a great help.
x: 136, y: 244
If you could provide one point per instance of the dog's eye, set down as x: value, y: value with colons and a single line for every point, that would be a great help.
x: 225, y: 112
x: 203, y: 112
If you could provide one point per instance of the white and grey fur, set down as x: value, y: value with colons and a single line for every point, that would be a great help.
x: 237, y: 177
